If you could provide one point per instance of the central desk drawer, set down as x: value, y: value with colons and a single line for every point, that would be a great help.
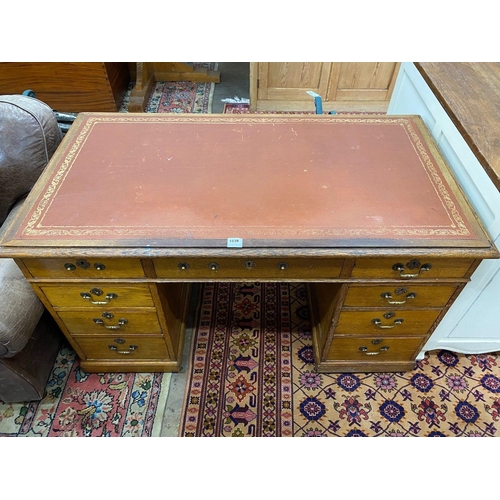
x: 398, y: 322
x: 258, y: 268
x: 120, y: 321
x: 84, y: 268
x: 98, y: 295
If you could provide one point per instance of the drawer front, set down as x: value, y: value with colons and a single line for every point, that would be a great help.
x: 399, y: 295
x: 411, y: 269
x: 121, y: 322
x: 100, y: 295
x: 84, y: 268
x: 259, y: 268
x: 400, y: 322
x: 370, y: 349
x: 126, y: 348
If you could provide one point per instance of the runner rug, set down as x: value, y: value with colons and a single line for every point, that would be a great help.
x: 179, y: 97
x: 111, y: 404
x: 252, y: 374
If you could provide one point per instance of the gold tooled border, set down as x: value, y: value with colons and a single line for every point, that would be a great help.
x: 34, y: 227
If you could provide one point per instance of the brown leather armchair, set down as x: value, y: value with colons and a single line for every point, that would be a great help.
x: 29, y: 338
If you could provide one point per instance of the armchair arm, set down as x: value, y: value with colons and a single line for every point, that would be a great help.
x: 29, y: 136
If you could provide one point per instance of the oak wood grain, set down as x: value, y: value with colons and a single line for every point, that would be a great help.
x: 470, y: 94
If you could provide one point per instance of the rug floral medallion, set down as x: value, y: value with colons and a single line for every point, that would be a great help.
x: 252, y: 374
x: 79, y: 404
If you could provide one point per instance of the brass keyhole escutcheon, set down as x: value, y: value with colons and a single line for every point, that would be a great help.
x: 84, y: 264
x: 249, y: 264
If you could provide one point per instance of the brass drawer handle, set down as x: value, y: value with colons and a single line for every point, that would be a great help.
x: 388, y: 297
x: 131, y: 348
x: 402, y: 274
x: 378, y: 323
x: 121, y: 322
x: 97, y: 291
x: 282, y: 266
x: 83, y: 264
x: 213, y: 266
x: 373, y: 353
x: 184, y: 266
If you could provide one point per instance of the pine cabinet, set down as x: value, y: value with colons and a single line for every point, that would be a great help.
x: 343, y: 86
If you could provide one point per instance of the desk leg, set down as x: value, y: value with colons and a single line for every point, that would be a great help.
x: 144, y: 81
x: 324, y: 303
x: 173, y: 311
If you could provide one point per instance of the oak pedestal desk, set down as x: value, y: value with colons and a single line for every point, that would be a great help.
x: 132, y: 209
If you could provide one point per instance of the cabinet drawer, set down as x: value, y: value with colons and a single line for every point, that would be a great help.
x: 370, y: 349
x: 99, y: 295
x: 84, y: 268
x: 122, y: 322
x: 126, y: 348
x: 400, y: 322
x: 259, y: 268
x: 411, y: 269
x: 399, y: 295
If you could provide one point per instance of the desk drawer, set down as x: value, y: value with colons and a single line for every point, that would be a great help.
x: 84, y: 268
x: 126, y: 348
x: 371, y: 349
x: 122, y: 322
x: 411, y: 269
x: 399, y: 295
x: 258, y: 268
x: 398, y: 322
x: 99, y: 295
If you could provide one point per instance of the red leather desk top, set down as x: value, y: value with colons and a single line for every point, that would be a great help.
x: 273, y: 180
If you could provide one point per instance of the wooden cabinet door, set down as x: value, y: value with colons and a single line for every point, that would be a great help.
x: 362, y: 81
x: 290, y: 81
x: 347, y: 86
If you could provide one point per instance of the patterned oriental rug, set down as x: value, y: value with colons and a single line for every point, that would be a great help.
x: 179, y: 97
x: 78, y: 404
x: 252, y: 374
x: 237, y: 108
x: 110, y: 404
